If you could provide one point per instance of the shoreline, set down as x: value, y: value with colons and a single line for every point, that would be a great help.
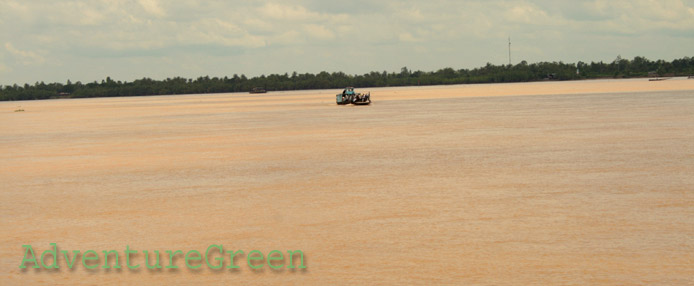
x: 270, y: 92
x: 473, y: 90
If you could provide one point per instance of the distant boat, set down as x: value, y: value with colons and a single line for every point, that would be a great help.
x: 258, y: 90
x: 349, y: 96
x: 658, y: 78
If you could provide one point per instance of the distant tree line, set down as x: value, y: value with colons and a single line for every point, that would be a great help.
x: 521, y: 72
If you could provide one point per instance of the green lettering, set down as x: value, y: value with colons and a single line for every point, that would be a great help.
x: 127, y: 257
x: 188, y: 257
x: 53, y: 252
x: 220, y: 259
x: 171, y: 256
x: 291, y: 255
x: 106, y: 253
x: 251, y: 257
x: 27, y: 250
x: 271, y: 258
x: 85, y: 258
x: 70, y: 263
x: 231, y: 257
x: 156, y: 263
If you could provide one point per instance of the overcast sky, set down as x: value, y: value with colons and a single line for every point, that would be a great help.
x: 55, y: 40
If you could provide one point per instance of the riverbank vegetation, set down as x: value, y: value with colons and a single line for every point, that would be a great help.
x: 521, y: 72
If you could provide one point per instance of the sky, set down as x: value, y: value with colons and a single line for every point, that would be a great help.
x: 54, y: 40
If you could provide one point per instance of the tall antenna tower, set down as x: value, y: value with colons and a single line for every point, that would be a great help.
x: 509, y: 50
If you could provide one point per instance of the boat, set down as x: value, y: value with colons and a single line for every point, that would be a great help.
x: 658, y: 78
x: 348, y: 96
x: 258, y: 90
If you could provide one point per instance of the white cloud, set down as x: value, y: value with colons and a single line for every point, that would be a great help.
x: 4, y: 68
x: 290, y: 37
x: 26, y: 57
x: 288, y: 13
x: 632, y: 17
x: 407, y: 37
x: 218, y: 32
x: 319, y: 32
x: 152, y: 7
x: 529, y: 14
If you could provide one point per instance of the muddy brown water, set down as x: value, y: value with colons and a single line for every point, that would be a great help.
x: 587, y: 182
